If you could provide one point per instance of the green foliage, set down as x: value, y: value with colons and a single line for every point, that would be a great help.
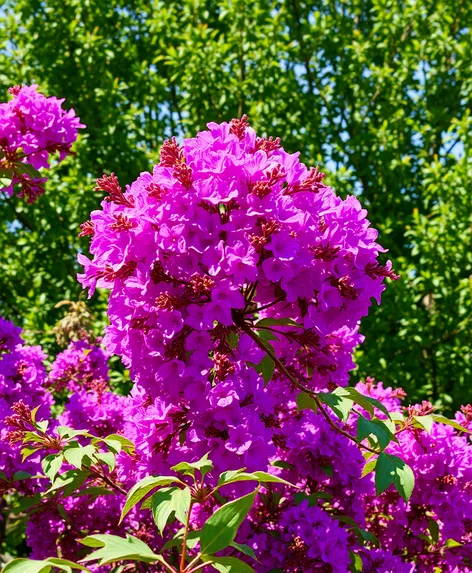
x: 376, y: 92
x: 44, y: 566
x: 221, y: 528
x: 168, y: 501
x: 114, y: 548
x: 203, y: 466
x: 142, y: 488
x: 228, y: 564
x: 392, y: 470
x: 239, y: 475
x: 217, y: 533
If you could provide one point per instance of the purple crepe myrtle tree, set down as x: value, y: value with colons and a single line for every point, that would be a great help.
x: 237, y: 281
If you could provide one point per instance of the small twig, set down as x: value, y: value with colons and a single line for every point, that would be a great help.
x: 192, y: 563
x: 282, y: 369
x: 167, y: 566
x: 265, y: 306
x: 454, y: 143
x: 198, y: 567
x: 184, y: 541
x: 109, y: 481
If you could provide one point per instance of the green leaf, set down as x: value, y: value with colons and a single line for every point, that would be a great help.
x: 28, y: 169
x: 340, y: 405
x: 193, y: 538
x: 147, y: 503
x: 384, y: 473
x: 114, y: 548
x: 227, y: 564
x: 71, y: 481
x: 306, y: 402
x: 204, y: 466
x: 368, y: 536
x: 375, y: 427
x: 108, y: 458
x: 392, y: 470
x: 43, y: 566
x: 51, y: 465
x: 345, y: 519
x: 282, y: 464
x: 66, y: 432
x: 261, y: 477
x: 65, y: 564
x: 233, y: 339
x: 142, y: 488
x: 426, y: 422
x: 95, y: 491
x: 277, y: 322
x: 404, y: 478
x: 266, y: 368
x: 74, y: 453
x: 43, y: 425
x: 267, y: 336
x: 113, y: 446
x: 27, y: 452
x: 356, y: 565
x: 433, y: 528
x: 328, y: 470
x: 312, y: 499
x: 170, y: 500
x: 366, y: 402
x: 448, y: 422
x: 245, y: 549
x: 226, y: 476
x: 369, y: 467
x: 452, y: 543
x: 21, y: 475
x: 220, y: 529
x: 126, y: 445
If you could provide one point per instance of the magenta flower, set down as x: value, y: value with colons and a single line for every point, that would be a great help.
x: 32, y: 129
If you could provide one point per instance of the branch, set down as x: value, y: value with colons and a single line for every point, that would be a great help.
x: 301, y: 43
x: 102, y: 475
x: 265, y: 306
x: 184, y: 541
x: 283, y: 370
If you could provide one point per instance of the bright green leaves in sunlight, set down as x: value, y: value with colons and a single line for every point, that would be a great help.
x: 221, y: 528
x: 113, y: 548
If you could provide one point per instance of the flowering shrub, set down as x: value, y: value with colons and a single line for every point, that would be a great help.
x: 237, y: 281
x: 32, y: 128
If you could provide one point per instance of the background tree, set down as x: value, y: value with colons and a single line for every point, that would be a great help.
x: 375, y: 92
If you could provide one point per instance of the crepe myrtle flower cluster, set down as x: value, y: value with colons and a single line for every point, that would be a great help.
x: 32, y: 129
x: 228, y: 228
x: 81, y: 365
x: 10, y: 336
x: 22, y: 387
x: 434, y: 527
x: 82, y: 371
x: 99, y: 411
